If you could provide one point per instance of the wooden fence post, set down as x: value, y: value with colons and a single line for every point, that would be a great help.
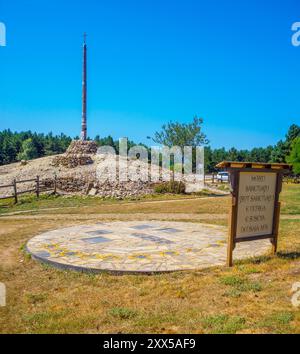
x: 231, y: 231
x: 235, y: 179
x: 55, y: 184
x: 277, y: 216
x: 15, y: 191
x: 37, y: 186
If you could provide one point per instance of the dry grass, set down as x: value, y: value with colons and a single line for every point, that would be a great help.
x: 92, y: 205
x: 252, y: 297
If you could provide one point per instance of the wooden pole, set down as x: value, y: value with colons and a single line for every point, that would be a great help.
x: 232, y: 218
x: 276, y: 228
x: 230, y: 245
x: 276, y: 216
x: 84, y: 92
x: 15, y: 191
x: 37, y: 186
x: 55, y: 183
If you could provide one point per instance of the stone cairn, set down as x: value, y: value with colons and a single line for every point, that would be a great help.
x: 84, y: 182
x: 88, y: 186
x: 78, y: 154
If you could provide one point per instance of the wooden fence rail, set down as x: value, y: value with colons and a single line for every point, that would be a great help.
x: 39, y: 188
x: 212, y: 178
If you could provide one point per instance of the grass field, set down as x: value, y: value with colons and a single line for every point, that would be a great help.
x: 252, y: 297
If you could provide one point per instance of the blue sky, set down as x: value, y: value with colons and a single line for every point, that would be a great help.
x: 230, y: 62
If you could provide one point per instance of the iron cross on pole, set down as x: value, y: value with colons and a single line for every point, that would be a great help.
x: 84, y: 91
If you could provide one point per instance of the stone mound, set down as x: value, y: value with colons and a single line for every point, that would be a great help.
x: 71, y: 161
x: 82, y: 147
x: 87, y: 185
x: 78, y: 154
x: 79, y: 173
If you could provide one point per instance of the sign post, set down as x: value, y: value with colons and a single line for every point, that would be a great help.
x: 255, y: 206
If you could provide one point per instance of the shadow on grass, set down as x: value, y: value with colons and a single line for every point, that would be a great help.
x: 253, y: 260
x: 267, y: 258
x: 288, y: 255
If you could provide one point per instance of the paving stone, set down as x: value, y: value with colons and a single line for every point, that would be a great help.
x: 152, y: 238
x: 96, y: 239
x: 99, y: 232
x: 142, y: 227
x: 183, y: 246
x: 169, y: 229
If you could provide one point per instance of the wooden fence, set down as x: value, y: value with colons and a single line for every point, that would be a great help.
x: 212, y: 178
x: 40, y: 187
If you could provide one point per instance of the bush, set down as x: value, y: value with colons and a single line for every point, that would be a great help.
x: 170, y: 187
x: 29, y: 150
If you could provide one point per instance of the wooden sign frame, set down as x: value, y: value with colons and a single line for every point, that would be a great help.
x: 235, y: 169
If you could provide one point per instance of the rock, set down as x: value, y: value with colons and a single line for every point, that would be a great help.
x: 93, y: 191
x: 193, y: 187
x: 78, y: 154
x: 82, y: 147
x: 71, y: 161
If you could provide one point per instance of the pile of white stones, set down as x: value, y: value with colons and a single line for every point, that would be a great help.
x: 78, y: 154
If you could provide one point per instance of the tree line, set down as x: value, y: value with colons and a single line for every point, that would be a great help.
x: 27, y: 145
x: 285, y: 151
x: 16, y: 146
x: 191, y: 134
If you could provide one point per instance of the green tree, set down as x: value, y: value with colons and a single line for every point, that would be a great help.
x: 292, y: 134
x: 214, y: 157
x: 29, y: 150
x: 208, y: 159
x: 8, y: 150
x: 294, y: 156
x: 279, y: 152
x: 283, y: 148
x: 232, y: 154
x: 182, y: 134
x: 260, y: 154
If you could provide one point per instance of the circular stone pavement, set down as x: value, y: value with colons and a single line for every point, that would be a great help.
x: 136, y: 246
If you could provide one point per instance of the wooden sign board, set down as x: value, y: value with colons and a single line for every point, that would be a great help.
x: 256, y: 197
x: 255, y: 207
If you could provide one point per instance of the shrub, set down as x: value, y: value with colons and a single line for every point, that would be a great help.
x: 29, y: 150
x: 170, y: 187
